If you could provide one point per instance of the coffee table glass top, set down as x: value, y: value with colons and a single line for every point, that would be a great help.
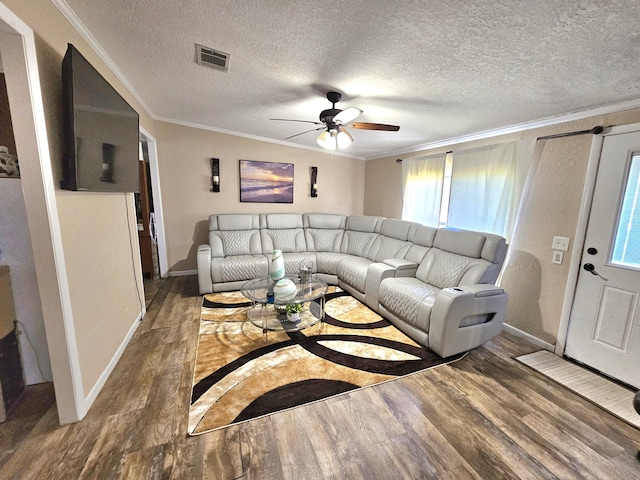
x: 257, y: 290
x: 270, y: 316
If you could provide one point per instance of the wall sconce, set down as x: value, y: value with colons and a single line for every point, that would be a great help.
x: 215, y: 175
x: 314, y: 181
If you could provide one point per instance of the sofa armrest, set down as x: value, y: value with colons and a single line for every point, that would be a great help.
x: 465, y: 317
x: 375, y: 274
x: 205, y: 284
x: 404, y: 268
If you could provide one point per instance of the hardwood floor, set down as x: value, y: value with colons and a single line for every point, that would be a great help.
x: 485, y: 416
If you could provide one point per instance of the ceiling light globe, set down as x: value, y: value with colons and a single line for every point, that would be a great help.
x: 327, y: 141
x: 343, y: 139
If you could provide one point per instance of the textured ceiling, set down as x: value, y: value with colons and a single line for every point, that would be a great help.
x: 439, y: 69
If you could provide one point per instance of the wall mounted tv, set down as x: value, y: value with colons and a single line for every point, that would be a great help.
x: 101, y: 131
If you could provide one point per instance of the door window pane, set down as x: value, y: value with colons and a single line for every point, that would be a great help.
x: 626, y: 248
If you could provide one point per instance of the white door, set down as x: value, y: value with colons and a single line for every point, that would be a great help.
x: 604, y: 328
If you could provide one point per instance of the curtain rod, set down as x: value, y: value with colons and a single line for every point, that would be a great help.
x: 399, y: 160
x: 594, y: 131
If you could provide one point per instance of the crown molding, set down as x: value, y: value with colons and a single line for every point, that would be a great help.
x: 520, y: 127
x: 253, y: 137
x: 71, y: 16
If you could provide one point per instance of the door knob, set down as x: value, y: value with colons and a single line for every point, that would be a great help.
x: 592, y: 270
x: 592, y: 251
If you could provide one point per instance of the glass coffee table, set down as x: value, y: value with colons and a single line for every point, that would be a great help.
x: 270, y: 315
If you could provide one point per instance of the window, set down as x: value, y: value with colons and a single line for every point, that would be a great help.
x: 422, y: 179
x: 475, y: 189
x: 626, y: 247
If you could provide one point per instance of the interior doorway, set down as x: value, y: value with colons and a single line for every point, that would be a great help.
x: 33, y: 364
x: 146, y: 218
x: 150, y: 212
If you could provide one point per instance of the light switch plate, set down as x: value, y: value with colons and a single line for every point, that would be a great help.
x: 560, y: 243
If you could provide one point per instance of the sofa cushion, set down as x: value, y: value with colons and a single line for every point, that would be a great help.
x: 443, y: 269
x: 323, y: 239
x: 323, y: 232
x: 233, y: 221
x: 280, y: 220
x: 421, y: 239
x: 399, y: 229
x: 285, y: 240
x: 364, y: 223
x: 408, y: 298
x: 352, y: 270
x: 234, y: 234
x: 387, y: 247
x: 358, y: 243
x: 324, y: 221
x: 461, y: 242
x: 293, y: 262
x: 282, y: 231
x: 327, y: 262
x: 423, y: 236
x: 393, y: 241
x: 235, y: 242
x: 238, y: 268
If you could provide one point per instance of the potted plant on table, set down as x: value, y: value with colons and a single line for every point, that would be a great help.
x: 293, y: 312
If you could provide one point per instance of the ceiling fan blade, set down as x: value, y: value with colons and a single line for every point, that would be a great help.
x: 374, y: 126
x: 307, y: 131
x: 290, y: 120
x: 347, y: 115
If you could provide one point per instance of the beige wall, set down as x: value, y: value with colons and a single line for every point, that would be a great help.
x: 104, y: 283
x: 185, y: 176
x: 550, y: 206
x: 96, y: 230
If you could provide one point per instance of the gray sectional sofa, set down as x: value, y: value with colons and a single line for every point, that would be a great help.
x: 436, y: 285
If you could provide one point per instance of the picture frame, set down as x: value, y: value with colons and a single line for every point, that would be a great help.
x: 266, y: 182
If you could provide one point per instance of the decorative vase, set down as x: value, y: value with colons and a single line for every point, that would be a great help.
x: 293, y: 317
x: 276, y: 266
x: 284, y: 290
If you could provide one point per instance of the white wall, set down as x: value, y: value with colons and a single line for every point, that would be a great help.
x: 15, y: 251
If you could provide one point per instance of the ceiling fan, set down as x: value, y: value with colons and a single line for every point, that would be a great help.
x: 334, y: 122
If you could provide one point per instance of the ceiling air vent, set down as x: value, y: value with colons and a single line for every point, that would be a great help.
x: 212, y: 58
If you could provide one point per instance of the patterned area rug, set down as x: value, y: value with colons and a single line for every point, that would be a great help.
x: 241, y: 375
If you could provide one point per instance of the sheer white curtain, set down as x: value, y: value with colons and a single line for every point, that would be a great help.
x: 486, y: 186
x: 422, y: 179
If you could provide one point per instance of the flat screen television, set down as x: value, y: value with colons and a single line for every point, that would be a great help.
x: 101, y: 131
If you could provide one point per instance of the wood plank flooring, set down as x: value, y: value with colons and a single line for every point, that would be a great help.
x: 486, y: 416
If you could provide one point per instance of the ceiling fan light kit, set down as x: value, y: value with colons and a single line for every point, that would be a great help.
x: 333, y: 121
x: 327, y: 141
x: 343, y: 138
x: 335, y: 139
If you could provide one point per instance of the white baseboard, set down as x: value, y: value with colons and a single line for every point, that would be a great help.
x: 530, y: 338
x: 89, y: 399
x: 182, y: 273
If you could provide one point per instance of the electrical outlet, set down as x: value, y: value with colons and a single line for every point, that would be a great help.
x: 560, y: 243
x: 557, y: 257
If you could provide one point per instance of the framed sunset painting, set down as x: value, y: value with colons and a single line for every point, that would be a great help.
x: 266, y: 182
